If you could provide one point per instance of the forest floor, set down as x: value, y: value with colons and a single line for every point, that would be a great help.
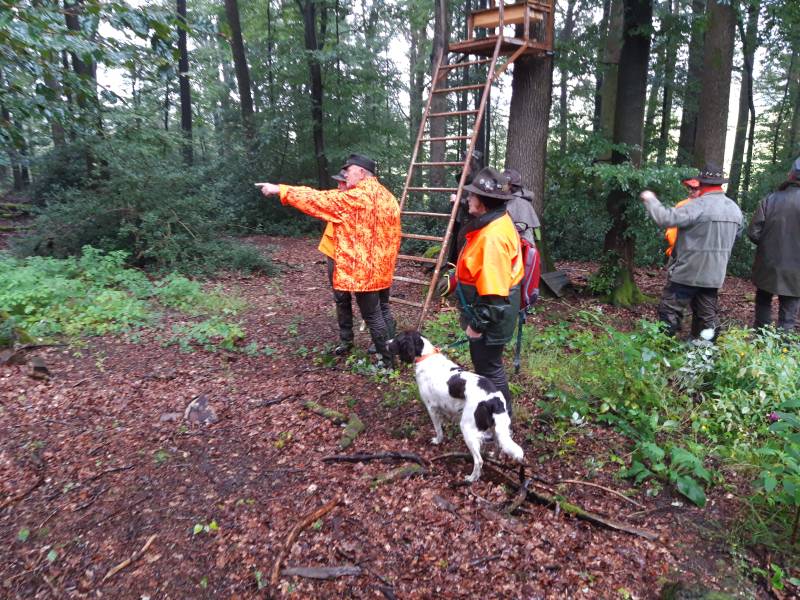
x: 96, y: 463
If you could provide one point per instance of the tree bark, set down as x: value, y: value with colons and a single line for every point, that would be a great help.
x: 628, y: 129
x: 185, y: 87
x: 792, y: 149
x: 242, y: 70
x: 308, y: 9
x: 528, y: 123
x: 611, y: 57
x: 598, y: 74
x: 673, y: 37
x: 438, y: 126
x: 745, y: 96
x: 712, y: 115
x: 779, y: 124
x: 564, y: 38
x: 659, y: 66
x: 691, y: 90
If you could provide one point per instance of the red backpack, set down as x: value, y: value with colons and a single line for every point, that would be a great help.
x: 532, y: 270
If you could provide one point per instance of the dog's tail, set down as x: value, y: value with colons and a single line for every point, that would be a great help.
x: 503, y: 433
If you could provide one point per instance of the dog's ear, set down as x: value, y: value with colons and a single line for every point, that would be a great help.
x: 405, y: 345
x: 418, y: 344
x: 486, y: 410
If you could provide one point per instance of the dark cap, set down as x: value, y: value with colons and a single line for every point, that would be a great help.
x: 361, y: 161
x: 340, y: 177
x: 491, y: 183
x: 711, y: 174
x: 514, y: 177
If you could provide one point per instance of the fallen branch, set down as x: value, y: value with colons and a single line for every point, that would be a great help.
x: 397, y: 474
x: 323, y: 411
x: 609, y: 490
x: 322, y: 572
x: 135, y: 556
x: 265, y: 403
x: 290, y: 539
x: 106, y: 472
x: 482, y: 561
x: 378, y: 456
x: 575, y: 510
x: 490, y: 461
x: 354, y: 427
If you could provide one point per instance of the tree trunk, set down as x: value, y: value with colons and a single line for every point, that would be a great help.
x: 671, y: 56
x: 691, y: 90
x: 438, y: 126
x: 610, y: 70
x: 749, y: 40
x: 242, y: 71
x: 659, y: 66
x: 598, y: 72
x: 528, y: 122
x: 779, y: 123
x: 564, y: 38
x: 628, y: 129
x: 712, y: 115
x: 308, y: 9
x: 792, y: 149
x: 270, y: 51
x: 185, y: 88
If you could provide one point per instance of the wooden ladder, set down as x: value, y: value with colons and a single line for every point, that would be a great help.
x: 439, y: 85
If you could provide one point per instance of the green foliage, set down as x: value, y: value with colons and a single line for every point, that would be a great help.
x: 679, y: 402
x: 210, y: 334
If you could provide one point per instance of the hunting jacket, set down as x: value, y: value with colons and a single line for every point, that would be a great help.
x: 489, y: 270
x: 775, y: 229
x: 366, y: 231
x: 707, y: 229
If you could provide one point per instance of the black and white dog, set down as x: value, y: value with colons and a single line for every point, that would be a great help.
x: 449, y: 391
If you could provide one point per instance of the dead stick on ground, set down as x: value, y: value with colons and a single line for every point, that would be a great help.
x: 133, y: 557
x: 290, y: 539
x: 609, y: 490
x: 491, y: 461
x: 379, y: 456
x: 521, y: 496
x: 23, y: 495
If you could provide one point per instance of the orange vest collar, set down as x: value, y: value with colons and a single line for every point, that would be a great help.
x: 428, y: 355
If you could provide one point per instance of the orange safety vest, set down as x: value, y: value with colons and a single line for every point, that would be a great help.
x: 366, y: 225
x: 491, y: 259
x: 671, y: 234
x: 326, y: 243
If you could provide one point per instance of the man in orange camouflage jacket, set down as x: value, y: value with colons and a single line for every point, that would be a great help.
x: 366, y: 227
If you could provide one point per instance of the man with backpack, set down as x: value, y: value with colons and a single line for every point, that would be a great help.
x: 520, y: 208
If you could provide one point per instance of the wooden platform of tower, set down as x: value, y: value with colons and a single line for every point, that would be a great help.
x: 496, y: 37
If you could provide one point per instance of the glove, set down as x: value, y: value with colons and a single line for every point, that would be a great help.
x: 446, y: 284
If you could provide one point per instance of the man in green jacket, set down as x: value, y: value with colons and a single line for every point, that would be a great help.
x: 707, y: 229
x: 775, y: 229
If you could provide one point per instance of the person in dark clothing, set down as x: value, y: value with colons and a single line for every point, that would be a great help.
x: 775, y: 229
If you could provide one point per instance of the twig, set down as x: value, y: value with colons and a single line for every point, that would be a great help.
x: 51, y: 585
x: 91, y: 500
x: 480, y: 561
x: 265, y: 403
x: 107, y: 471
x: 387, y: 591
x: 322, y: 572
x: 133, y: 557
x: 522, y: 494
x: 119, y: 510
x: 14, y: 499
x: 490, y: 461
x: 290, y: 539
x: 378, y: 456
x: 610, y: 491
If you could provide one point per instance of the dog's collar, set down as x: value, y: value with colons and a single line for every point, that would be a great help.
x: 424, y: 356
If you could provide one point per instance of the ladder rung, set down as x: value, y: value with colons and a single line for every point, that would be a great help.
x: 460, y: 88
x: 416, y: 213
x: 406, y: 302
x: 447, y: 163
x: 417, y: 236
x: 444, y: 139
x: 432, y: 189
x: 461, y: 65
x: 422, y: 259
x: 411, y: 280
x: 454, y: 113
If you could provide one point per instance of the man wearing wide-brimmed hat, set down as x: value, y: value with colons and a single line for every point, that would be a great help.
x: 366, y: 235
x: 775, y: 229
x: 488, y: 272
x: 708, y: 226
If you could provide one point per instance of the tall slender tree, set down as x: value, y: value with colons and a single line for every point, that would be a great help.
x: 438, y: 125
x: 712, y: 114
x: 242, y: 70
x: 185, y: 86
x: 691, y: 88
x: 564, y: 39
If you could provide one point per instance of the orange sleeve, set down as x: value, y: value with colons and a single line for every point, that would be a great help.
x: 329, y: 205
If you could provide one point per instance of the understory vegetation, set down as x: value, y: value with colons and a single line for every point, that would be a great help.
x: 47, y: 298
